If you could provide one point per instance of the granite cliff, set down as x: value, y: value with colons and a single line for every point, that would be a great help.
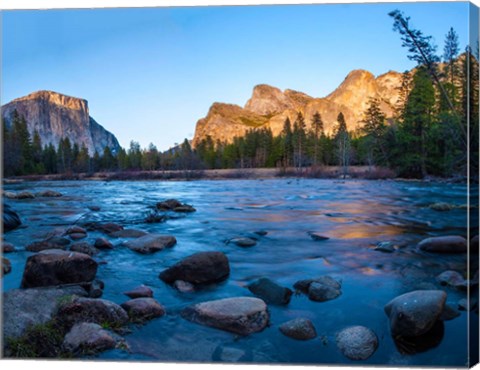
x: 56, y: 116
x: 269, y: 107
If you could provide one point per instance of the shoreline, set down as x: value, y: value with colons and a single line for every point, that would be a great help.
x: 325, y: 172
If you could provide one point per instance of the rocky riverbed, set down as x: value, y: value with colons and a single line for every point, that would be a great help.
x: 271, y: 271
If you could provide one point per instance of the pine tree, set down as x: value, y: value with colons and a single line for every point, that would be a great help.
x: 374, y: 128
x: 342, y: 139
x: 287, y: 136
x: 318, y: 131
x: 299, y: 140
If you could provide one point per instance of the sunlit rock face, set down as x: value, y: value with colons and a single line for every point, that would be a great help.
x: 56, y: 116
x: 269, y: 107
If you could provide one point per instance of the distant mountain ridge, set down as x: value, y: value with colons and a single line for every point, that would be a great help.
x: 269, y: 107
x: 56, y: 116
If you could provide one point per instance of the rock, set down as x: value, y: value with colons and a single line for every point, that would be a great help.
x: 94, y: 208
x: 58, y: 240
x: 304, y: 285
x: 444, y: 244
x: 441, y: 207
x: 301, y: 329
x: 239, y: 315
x: 56, y: 267
x: 6, y: 266
x: 106, y: 228
x: 320, y: 292
x: 49, y: 194
x: 184, y: 209
x: 141, y: 291
x: 243, y: 242
x: 452, y: 278
x: 151, y: 243
x: 99, y: 311
x: 88, y: 338
x: 102, y: 243
x: 466, y: 304
x: 75, y: 230
x: 95, y: 289
x: 230, y: 354
x: 128, y: 233
x: 11, y: 220
x: 413, y: 314
x: 141, y: 309
x: 24, y: 308
x: 270, y: 291
x: 183, y: 286
x: 43, y: 245
x: 357, y: 342
x: 199, y: 268
x: 168, y: 205
x: 84, y: 247
x: 77, y: 236
x: 449, y: 313
x: 261, y: 232
x: 9, y: 195
x: 25, y: 195
x: 7, y: 247
x: 386, y: 247
x: 318, y: 236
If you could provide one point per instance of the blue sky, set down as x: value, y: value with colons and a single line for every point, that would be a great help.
x: 149, y: 74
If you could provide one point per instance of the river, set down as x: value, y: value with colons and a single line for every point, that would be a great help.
x: 355, y: 215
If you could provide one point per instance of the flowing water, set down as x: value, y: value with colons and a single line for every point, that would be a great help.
x: 355, y: 215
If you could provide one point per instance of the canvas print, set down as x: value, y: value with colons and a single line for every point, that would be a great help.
x: 269, y: 184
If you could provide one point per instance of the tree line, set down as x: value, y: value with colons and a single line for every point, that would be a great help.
x: 436, y: 117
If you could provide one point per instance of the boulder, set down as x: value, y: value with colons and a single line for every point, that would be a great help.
x: 84, y: 247
x: 320, y: 289
x: 184, y: 209
x: 24, y: 195
x: 77, y: 236
x: 128, y: 233
x: 301, y: 329
x: 7, y: 247
x: 95, y: 288
x: 413, y: 314
x: 444, y: 244
x: 270, y: 291
x: 58, y: 240
x: 49, y: 194
x: 56, y: 267
x: 261, y: 232
x: 102, y: 243
x: 24, y: 308
x: 452, y: 278
x: 239, y: 315
x: 175, y: 206
x: 11, y: 220
x: 357, y: 342
x: 199, y: 268
x: 106, y: 228
x: 141, y: 291
x: 151, y: 243
x: 243, y: 242
x: 183, y: 286
x: 317, y: 236
x: 94, y: 208
x: 99, y: 311
x: 141, y: 309
x: 43, y: 245
x: 88, y: 338
x: 6, y: 266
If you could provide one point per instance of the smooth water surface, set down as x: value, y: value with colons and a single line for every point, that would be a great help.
x: 354, y: 214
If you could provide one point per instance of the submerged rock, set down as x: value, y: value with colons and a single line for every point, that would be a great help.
x: 270, y: 291
x: 102, y: 243
x: 49, y: 194
x: 243, y: 242
x: 452, y: 278
x: 141, y: 309
x: 239, y: 315
x: 413, y: 314
x: 301, y: 329
x: 151, y: 243
x: 75, y: 230
x: 441, y: 207
x: 128, y: 233
x: 88, y: 338
x: 84, y: 247
x: 444, y: 244
x: 199, y: 268
x: 11, y: 220
x: 175, y: 206
x: 106, y: 228
x: 141, y: 291
x: 25, y: 308
x: 183, y: 286
x: 7, y: 247
x: 43, y: 245
x: 386, y: 247
x: 25, y: 195
x: 57, y: 267
x: 77, y: 236
x: 357, y: 342
x: 99, y: 311
x: 317, y: 236
x: 320, y: 289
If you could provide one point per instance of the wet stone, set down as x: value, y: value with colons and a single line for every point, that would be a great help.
x: 141, y: 291
x: 452, y: 278
x: 84, y: 247
x: 151, y: 243
x: 102, y: 243
x: 444, y: 244
x: 49, y: 194
x: 75, y: 230
x: 183, y: 286
x: 24, y: 195
x: 128, y: 233
x: 357, y: 342
x: 317, y: 236
x: 6, y: 266
x: 88, y: 338
x: 43, y: 245
x: 449, y: 313
x: 7, y: 247
x: 301, y: 329
x: 141, y: 309
x: 243, y: 242
x: 270, y: 291
x: 77, y: 236
x: 466, y: 304
x: 386, y: 247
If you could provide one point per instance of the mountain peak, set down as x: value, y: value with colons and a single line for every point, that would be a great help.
x: 56, y: 98
x: 268, y: 100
